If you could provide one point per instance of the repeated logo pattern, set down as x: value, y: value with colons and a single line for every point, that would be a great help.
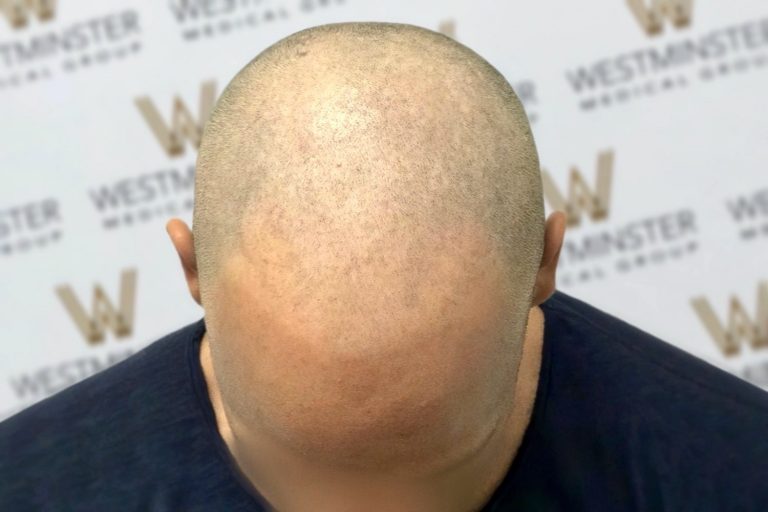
x: 651, y: 16
x: 104, y: 315
x: 183, y: 124
x: 649, y: 142
x: 741, y: 326
x: 581, y: 198
x: 18, y: 12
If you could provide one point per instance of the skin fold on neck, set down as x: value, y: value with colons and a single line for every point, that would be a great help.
x: 292, y: 483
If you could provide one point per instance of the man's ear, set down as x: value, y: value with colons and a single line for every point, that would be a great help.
x: 554, y: 233
x: 181, y: 238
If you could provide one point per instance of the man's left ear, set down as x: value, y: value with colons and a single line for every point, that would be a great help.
x: 554, y: 233
x: 181, y: 238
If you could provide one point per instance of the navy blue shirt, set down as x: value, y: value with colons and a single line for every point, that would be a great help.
x: 621, y: 421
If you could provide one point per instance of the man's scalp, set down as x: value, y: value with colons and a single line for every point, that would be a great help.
x: 347, y: 133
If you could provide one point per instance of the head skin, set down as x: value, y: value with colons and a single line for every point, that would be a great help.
x: 369, y: 244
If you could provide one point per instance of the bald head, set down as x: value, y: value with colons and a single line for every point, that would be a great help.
x: 368, y: 225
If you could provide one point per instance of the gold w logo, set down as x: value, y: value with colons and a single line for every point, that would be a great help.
x: 103, y: 314
x: 17, y: 11
x: 651, y: 16
x: 447, y: 27
x: 183, y: 124
x: 580, y: 196
x: 740, y: 325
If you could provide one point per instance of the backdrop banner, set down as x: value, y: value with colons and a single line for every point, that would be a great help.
x: 648, y: 115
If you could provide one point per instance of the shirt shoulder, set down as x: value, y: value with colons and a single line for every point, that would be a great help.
x: 628, y: 421
x: 91, y: 436
x: 626, y: 354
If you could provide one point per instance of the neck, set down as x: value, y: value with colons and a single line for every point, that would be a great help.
x: 291, y: 482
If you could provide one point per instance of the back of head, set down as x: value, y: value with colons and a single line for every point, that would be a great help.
x: 368, y: 225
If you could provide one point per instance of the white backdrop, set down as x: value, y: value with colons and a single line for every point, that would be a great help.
x: 86, y: 185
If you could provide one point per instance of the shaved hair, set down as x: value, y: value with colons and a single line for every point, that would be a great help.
x: 343, y: 123
x: 383, y: 182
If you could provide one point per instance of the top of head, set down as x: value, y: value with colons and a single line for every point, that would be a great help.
x: 340, y: 125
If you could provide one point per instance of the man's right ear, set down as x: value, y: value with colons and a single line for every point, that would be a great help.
x: 181, y: 238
